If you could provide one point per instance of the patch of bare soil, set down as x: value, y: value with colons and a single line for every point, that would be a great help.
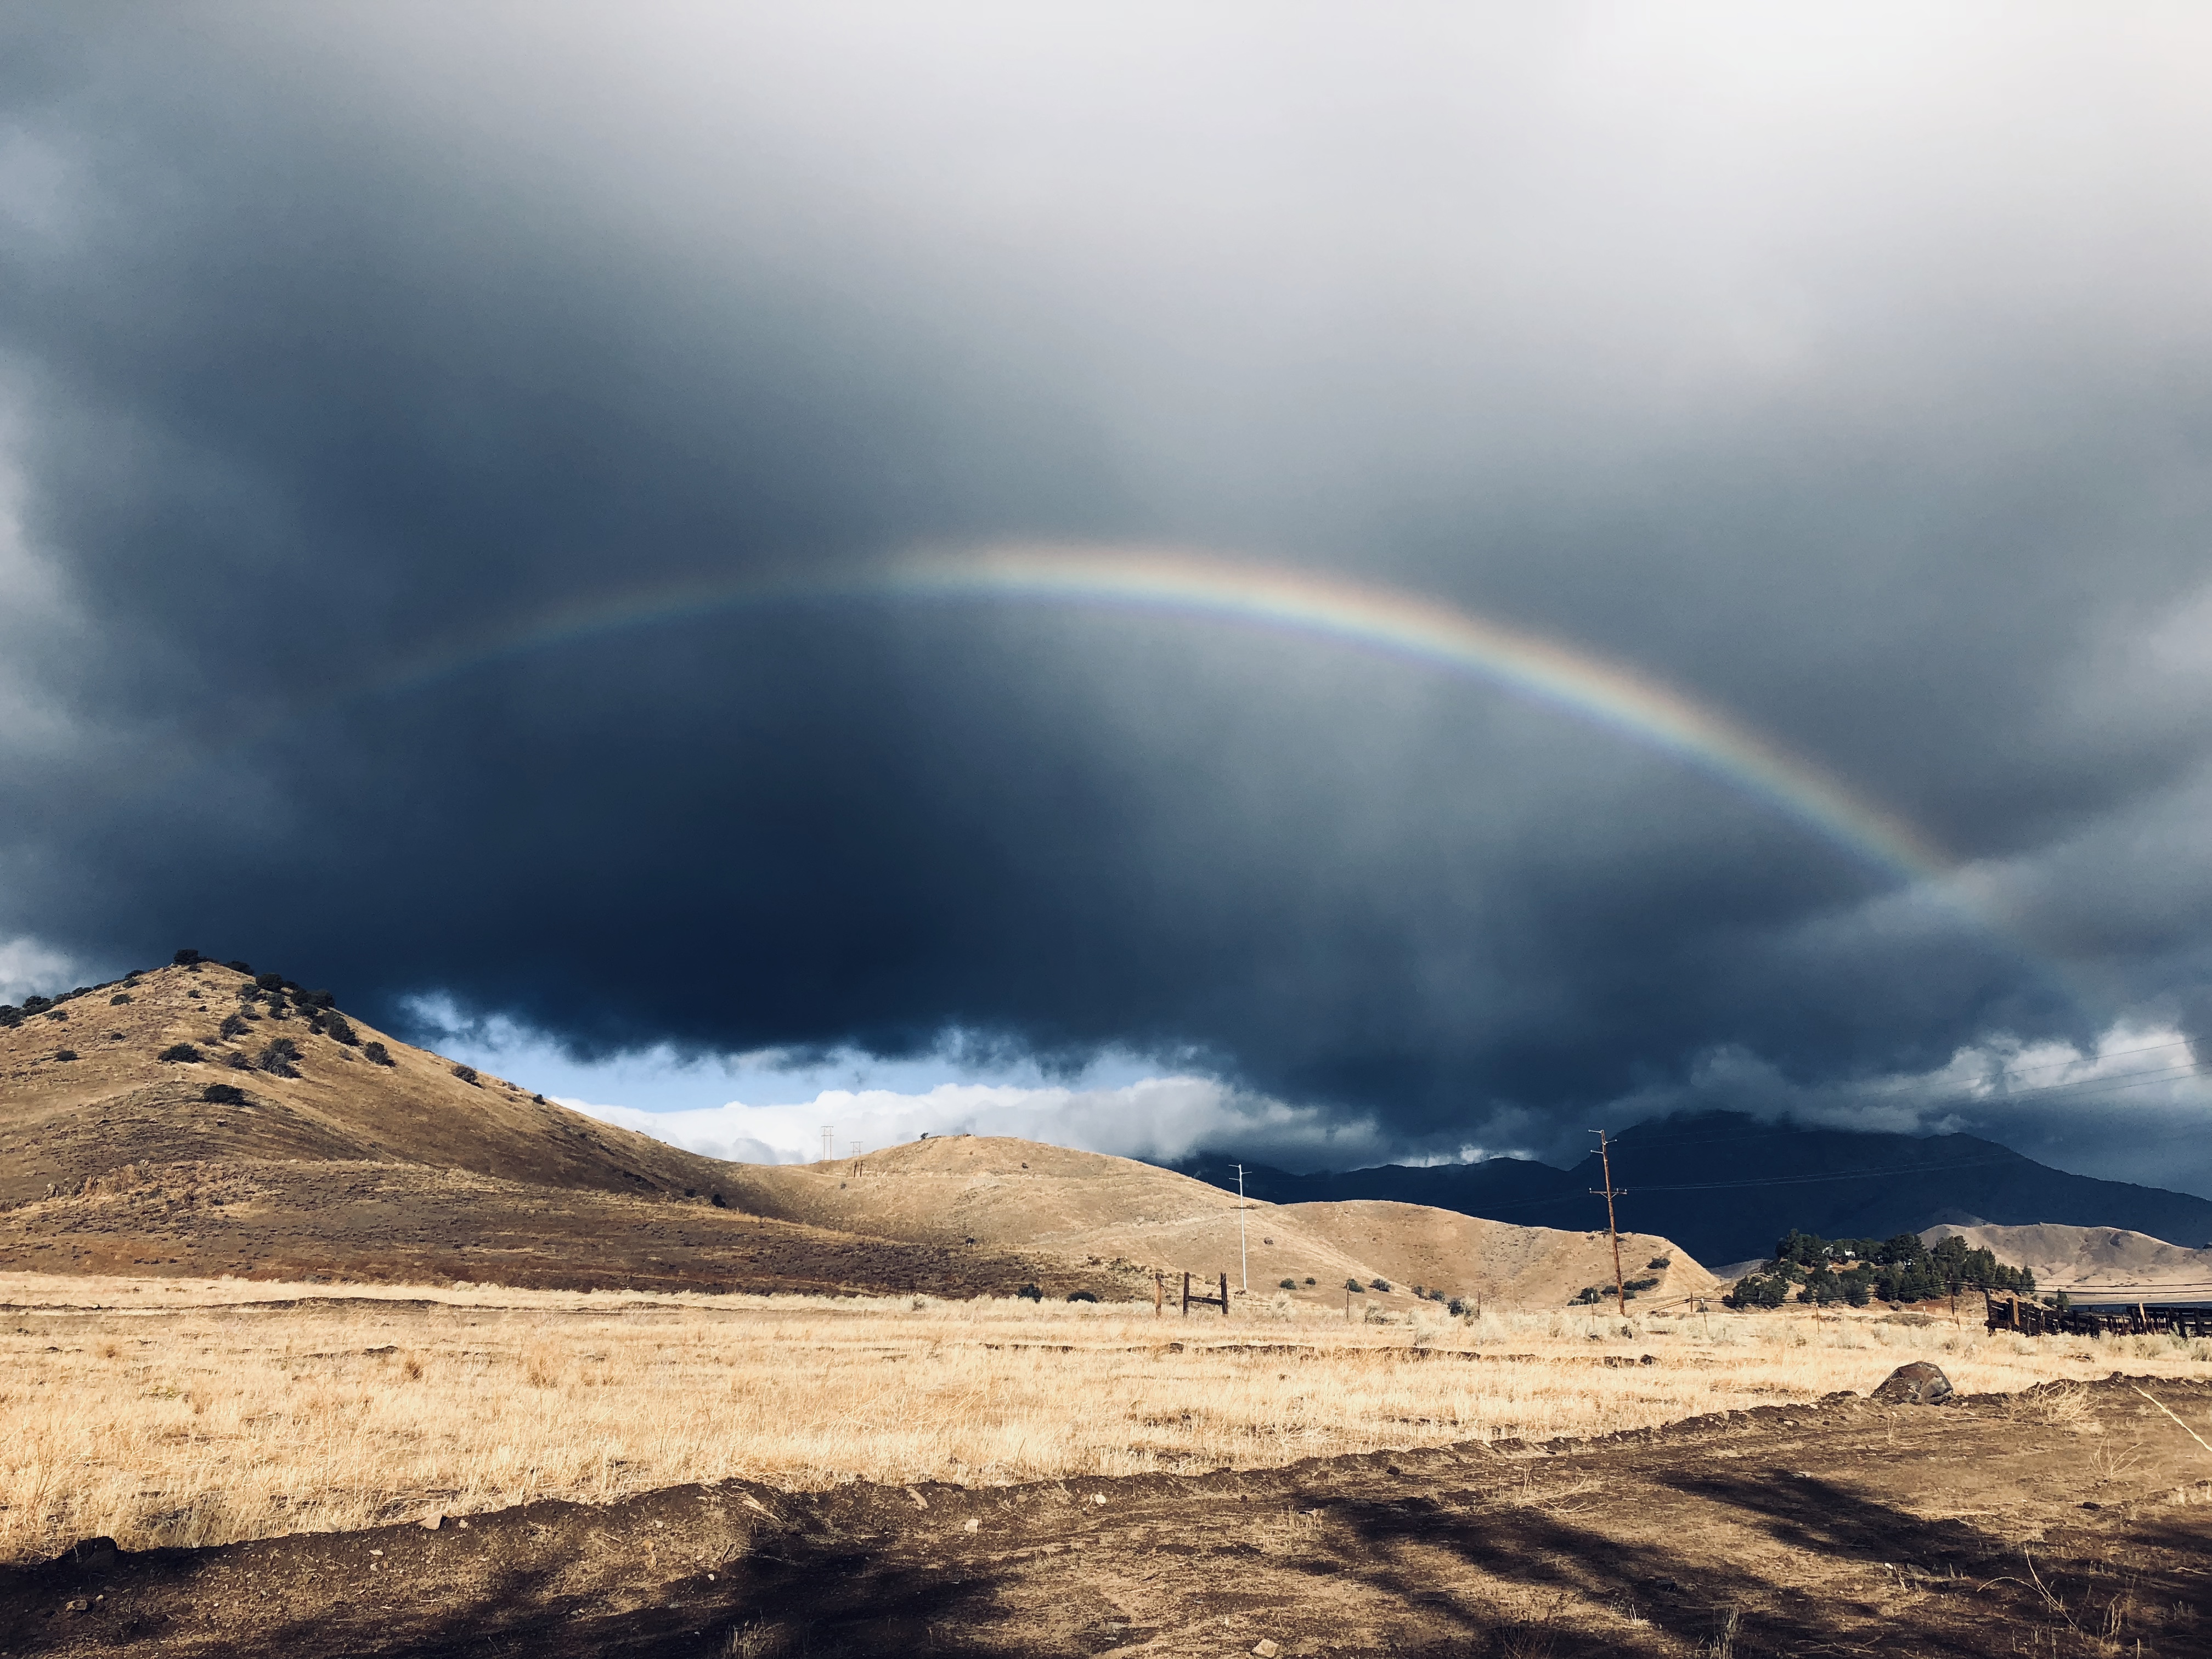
x: 403, y: 1223
x: 2067, y: 1522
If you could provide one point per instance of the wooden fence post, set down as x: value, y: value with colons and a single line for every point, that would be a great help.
x: 1225, y: 1293
x: 1186, y: 1294
x: 1159, y: 1291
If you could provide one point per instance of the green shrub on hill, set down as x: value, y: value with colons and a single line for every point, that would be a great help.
x: 279, y: 1057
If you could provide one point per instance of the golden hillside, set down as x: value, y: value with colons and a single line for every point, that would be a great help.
x: 332, y: 1148
x: 117, y: 1102
x: 1007, y: 1193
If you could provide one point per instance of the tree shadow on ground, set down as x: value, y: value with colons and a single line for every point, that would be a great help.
x: 1666, y: 1597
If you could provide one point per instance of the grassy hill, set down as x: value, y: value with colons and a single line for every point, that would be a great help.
x: 193, y: 1120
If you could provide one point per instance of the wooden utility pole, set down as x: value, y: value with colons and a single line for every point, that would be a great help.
x: 1159, y: 1291
x: 1612, y: 1228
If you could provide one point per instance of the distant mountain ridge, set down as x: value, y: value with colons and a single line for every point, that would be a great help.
x: 1724, y: 1186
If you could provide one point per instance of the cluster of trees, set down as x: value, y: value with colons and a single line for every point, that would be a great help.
x: 1806, y: 1268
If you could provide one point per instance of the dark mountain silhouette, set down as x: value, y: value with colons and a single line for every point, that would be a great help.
x: 1725, y: 1186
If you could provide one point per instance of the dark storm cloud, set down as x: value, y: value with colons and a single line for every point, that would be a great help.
x: 1851, y: 374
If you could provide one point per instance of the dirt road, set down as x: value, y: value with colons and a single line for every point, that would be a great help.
x: 2069, y: 1521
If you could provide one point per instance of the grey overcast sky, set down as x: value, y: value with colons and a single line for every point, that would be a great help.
x: 1846, y: 369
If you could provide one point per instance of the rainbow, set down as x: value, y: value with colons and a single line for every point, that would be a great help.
x: 1360, y: 616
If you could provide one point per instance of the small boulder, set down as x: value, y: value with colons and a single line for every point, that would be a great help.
x: 1918, y: 1384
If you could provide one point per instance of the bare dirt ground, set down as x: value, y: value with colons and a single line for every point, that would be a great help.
x: 2073, y: 1519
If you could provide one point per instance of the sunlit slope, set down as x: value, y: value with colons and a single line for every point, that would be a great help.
x: 1005, y: 1194
x: 62, y: 1121
x: 994, y: 1192
x: 2089, y: 1263
x: 1494, y: 1260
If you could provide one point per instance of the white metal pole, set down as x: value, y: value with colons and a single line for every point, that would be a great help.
x: 1243, y: 1260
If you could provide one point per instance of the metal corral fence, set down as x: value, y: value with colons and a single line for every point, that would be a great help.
x: 2132, y: 1319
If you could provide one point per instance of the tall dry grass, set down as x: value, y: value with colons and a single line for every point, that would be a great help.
x: 157, y: 1412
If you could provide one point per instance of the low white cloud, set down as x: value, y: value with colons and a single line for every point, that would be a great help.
x: 1123, y: 1103
x: 28, y: 966
x: 1159, y: 1119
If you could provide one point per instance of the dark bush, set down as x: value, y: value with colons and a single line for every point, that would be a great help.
x: 183, y: 1052
x: 233, y: 1026
x: 269, y: 981
x: 1289, y: 1283
x: 119, y: 999
x: 1379, y: 1284
x: 319, y: 1000
x: 1758, y: 1290
x: 1030, y: 1293
x: 223, y: 1094
x: 341, y: 1029
x: 65, y: 1053
x: 1658, y: 1264
x: 238, y: 1062
x: 1354, y: 1285
x: 1309, y: 1281
x: 1636, y: 1284
x: 717, y: 1201
x: 240, y: 967
x: 57, y: 1013
x: 37, y: 1005
x: 186, y: 959
x: 1458, y: 1308
x: 1081, y: 1296
x: 378, y: 1053
x: 279, y: 1057
x: 468, y: 1075
x: 10, y: 1015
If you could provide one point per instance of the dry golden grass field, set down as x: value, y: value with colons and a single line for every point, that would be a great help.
x: 200, y: 1412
